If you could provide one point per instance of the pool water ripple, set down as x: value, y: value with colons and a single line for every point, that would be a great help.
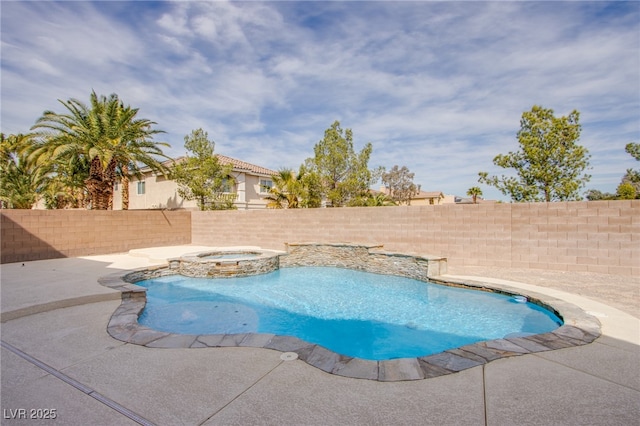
x: 353, y: 313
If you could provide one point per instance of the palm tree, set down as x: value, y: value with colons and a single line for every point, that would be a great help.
x: 21, y: 180
x: 380, y: 200
x: 474, y: 192
x: 373, y: 199
x: 106, y: 136
x: 286, y: 191
x: 130, y: 141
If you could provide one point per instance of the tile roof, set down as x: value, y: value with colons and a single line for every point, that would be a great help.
x: 238, y: 165
x: 428, y: 194
x: 243, y: 165
x: 419, y: 196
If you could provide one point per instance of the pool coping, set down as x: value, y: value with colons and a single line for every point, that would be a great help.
x: 579, y: 329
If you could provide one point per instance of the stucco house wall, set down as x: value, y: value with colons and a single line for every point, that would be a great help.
x: 162, y: 193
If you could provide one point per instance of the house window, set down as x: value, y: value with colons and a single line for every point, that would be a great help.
x: 115, y: 186
x: 265, y: 185
x: 141, y: 188
x: 227, y: 185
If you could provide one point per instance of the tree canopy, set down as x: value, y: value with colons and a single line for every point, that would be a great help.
x: 343, y: 175
x: 474, y: 192
x: 633, y: 149
x: 399, y: 184
x: 104, y: 138
x: 286, y: 192
x: 629, y: 187
x: 200, y: 176
x: 21, y: 179
x: 549, y: 165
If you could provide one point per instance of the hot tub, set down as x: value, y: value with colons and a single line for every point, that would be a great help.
x: 226, y: 263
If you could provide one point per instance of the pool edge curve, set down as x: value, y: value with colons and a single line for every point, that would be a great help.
x: 579, y: 329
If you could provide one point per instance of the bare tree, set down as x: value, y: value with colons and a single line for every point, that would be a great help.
x: 399, y: 184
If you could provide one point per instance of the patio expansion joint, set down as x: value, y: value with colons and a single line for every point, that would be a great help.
x: 484, y: 394
x: 241, y: 393
x: 580, y: 370
x: 78, y: 385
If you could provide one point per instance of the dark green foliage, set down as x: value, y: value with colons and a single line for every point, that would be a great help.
x: 201, y: 177
x: 549, y: 165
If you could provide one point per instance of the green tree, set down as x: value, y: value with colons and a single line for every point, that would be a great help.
x: 549, y: 165
x: 311, y: 194
x: 626, y: 191
x: 632, y: 177
x: 597, y: 195
x: 132, y: 147
x: 21, y: 179
x: 106, y: 137
x: 633, y: 149
x: 286, y: 192
x: 474, y: 192
x: 629, y: 187
x: 68, y: 181
x: 372, y: 199
x: 399, y: 185
x: 200, y: 176
x: 342, y: 173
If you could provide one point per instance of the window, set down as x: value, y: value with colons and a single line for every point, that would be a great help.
x: 141, y: 188
x: 265, y: 185
x: 227, y: 185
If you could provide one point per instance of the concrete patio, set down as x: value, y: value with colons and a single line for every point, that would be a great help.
x: 57, y: 355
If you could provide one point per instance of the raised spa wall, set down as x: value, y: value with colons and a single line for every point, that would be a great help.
x: 368, y: 258
x: 197, y: 265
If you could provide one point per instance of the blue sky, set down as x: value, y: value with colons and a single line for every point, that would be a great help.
x: 438, y: 87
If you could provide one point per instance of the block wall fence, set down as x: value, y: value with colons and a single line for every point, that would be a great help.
x: 48, y: 234
x: 598, y: 236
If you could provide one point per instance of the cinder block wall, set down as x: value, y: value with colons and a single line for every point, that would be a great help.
x: 46, y: 234
x: 601, y: 236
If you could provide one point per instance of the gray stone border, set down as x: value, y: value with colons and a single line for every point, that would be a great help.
x: 578, y: 329
x: 197, y: 265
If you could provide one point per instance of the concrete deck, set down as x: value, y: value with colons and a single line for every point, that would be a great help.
x: 57, y: 355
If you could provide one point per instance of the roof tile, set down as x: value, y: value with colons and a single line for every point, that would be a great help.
x: 237, y: 165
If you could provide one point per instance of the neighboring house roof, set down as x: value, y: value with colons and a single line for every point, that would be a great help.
x: 428, y: 195
x: 462, y: 200
x: 243, y: 165
x: 234, y: 162
x: 419, y: 196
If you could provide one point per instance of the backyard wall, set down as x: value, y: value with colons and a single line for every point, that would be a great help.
x: 599, y: 236
x: 46, y: 234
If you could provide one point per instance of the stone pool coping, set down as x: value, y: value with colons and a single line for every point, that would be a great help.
x: 579, y: 329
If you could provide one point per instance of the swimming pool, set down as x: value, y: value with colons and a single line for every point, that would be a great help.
x: 353, y: 313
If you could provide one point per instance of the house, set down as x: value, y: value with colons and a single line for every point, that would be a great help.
x: 425, y: 198
x: 156, y: 191
x: 428, y: 198
x: 469, y: 200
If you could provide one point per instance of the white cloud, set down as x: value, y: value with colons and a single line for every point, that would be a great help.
x: 436, y: 86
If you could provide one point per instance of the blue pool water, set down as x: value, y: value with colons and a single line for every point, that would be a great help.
x: 353, y: 313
